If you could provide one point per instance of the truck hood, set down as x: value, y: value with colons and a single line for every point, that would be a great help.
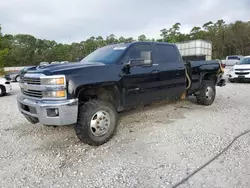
x: 54, y: 68
x: 243, y: 66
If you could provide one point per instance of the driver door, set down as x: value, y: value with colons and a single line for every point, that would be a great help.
x: 139, y: 83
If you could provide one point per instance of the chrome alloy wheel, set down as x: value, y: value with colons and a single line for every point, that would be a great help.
x: 100, y: 123
x: 209, y: 93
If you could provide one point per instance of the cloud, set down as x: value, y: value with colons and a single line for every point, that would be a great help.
x: 76, y: 20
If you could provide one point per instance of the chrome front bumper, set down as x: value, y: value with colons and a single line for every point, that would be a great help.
x: 238, y: 75
x: 49, y: 112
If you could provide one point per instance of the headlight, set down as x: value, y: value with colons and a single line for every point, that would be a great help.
x: 231, y: 70
x: 53, y: 80
x: 55, y: 87
x: 54, y: 94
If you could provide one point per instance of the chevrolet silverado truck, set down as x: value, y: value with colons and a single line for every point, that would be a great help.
x: 90, y: 93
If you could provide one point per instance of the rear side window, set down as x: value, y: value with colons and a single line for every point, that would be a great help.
x: 233, y: 57
x: 166, y: 54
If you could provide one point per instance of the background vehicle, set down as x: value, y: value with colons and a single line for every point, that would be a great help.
x: 232, y: 60
x: 5, y: 86
x: 240, y: 71
x: 13, y: 76
x: 43, y: 63
x: 59, y: 62
x: 64, y: 62
x: 55, y: 62
x: 109, y: 80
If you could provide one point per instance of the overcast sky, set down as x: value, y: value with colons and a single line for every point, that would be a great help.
x: 75, y: 20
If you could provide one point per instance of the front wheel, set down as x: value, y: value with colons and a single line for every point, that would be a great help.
x: 97, y: 121
x: 207, y: 93
x: 2, y: 91
x: 17, y: 79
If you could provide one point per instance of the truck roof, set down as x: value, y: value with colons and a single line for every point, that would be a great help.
x: 153, y: 42
x: 140, y: 42
x: 127, y: 44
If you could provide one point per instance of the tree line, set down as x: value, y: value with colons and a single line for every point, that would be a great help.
x: 23, y: 49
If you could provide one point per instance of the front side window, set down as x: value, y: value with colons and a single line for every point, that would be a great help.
x: 137, y: 52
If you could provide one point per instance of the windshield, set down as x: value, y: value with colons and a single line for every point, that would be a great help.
x: 108, y: 54
x: 245, y: 60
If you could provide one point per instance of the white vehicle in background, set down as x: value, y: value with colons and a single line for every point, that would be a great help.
x: 59, y: 62
x: 5, y: 87
x: 63, y: 62
x: 240, y: 71
x: 232, y: 60
x: 55, y: 62
x: 44, y: 63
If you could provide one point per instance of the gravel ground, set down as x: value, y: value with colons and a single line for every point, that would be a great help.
x: 155, y: 146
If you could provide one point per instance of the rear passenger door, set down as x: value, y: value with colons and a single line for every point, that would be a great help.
x: 172, y: 71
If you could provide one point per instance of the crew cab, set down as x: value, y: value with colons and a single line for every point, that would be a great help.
x: 90, y: 93
x: 240, y: 71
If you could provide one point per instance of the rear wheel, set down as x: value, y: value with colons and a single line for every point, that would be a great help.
x: 97, y: 121
x: 2, y: 91
x: 207, y: 93
x: 17, y: 79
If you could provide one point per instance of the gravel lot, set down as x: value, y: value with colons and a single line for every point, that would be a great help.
x: 155, y: 146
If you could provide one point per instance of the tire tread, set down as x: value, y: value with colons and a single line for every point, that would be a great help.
x: 85, y: 113
x: 201, y: 97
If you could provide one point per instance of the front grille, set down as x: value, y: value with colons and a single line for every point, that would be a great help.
x: 242, y: 73
x: 33, y: 81
x: 32, y: 93
x: 242, y: 69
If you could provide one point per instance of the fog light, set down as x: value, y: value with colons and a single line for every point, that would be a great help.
x: 52, y: 112
x: 230, y: 75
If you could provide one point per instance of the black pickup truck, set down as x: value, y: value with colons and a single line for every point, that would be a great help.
x: 89, y: 93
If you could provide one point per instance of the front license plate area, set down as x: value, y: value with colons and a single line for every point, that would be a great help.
x: 241, y: 76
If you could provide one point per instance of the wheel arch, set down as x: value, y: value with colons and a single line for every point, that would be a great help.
x: 106, y: 92
x: 16, y: 77
x: 209, y: 77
